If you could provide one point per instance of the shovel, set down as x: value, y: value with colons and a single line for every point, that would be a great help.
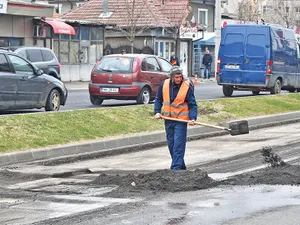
x: 235, y: 128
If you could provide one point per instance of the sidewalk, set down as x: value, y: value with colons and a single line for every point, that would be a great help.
x: 77, y: 85
x: 126, y: 144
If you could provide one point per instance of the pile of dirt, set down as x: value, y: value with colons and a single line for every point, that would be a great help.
x: 283, y: 175
x: 160, y: 180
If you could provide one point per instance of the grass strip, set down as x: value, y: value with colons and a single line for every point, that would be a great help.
x: 27, y: 131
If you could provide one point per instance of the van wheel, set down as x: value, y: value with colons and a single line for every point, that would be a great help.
x: 277, y: 87
x: 53, y: 101
x: 227, y: 90
x: 292, y: 90
x: 96, y: 100
x: 144, y: 96
x: 255, y: 92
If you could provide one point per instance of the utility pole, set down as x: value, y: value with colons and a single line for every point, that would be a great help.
x: 259, y: 11
x: 217, y: 32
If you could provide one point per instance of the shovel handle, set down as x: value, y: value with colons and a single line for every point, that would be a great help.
x: 199, y: 123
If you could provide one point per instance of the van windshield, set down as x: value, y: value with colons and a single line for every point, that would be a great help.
x: 234, y: 44
x: 115, y: 64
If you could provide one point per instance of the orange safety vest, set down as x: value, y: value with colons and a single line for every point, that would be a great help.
x: 178, y: 108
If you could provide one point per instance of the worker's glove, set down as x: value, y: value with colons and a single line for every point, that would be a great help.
x: 191, y: 122
x: 157, y: 116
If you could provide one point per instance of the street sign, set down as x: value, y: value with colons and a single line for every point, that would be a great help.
x: 3, y: 6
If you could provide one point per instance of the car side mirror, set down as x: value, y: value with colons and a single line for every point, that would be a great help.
x: 39, y: 72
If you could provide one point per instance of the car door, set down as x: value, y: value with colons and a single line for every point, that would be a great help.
x: 8, y: 84
x: 151, y: 73
x: 30, y: 86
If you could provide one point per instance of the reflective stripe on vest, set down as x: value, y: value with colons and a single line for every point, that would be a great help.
x: 178, y: 108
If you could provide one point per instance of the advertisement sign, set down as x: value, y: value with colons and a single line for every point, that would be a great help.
x: 3, y: 6
x: 190, y: 33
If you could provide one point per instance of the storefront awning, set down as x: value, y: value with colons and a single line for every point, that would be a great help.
x: 60, y: 27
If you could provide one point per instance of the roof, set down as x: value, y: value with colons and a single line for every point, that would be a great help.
x: 147, y: 13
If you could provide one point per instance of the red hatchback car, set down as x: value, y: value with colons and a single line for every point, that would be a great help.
x: 127, y: 77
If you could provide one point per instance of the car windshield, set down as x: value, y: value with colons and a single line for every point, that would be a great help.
x: 115, y: 64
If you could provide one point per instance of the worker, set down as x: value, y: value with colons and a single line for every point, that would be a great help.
x: 176, y: 96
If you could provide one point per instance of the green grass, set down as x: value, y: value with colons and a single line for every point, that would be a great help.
x: 28, y: 131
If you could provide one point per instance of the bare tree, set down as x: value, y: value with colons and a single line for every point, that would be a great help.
x: 247, y: 11
x: 179, y: 17
x: 283, y: 12
x: 132, y: 26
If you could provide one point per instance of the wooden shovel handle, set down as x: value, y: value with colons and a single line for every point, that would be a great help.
x: 199, y: 123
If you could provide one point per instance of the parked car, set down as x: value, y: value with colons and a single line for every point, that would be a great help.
x: 258, y: 58
x: 43, y: 58
x: 127, y: 77
x: 24, y: 86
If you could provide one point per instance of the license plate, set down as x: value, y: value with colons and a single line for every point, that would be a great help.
x: 235, y: 67
x: 111, y: 90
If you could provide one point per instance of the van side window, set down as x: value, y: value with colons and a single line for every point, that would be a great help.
x: 4, y: 67
x: 34, y: 55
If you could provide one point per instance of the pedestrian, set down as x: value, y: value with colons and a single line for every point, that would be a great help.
x: 207, y: 61
x: 176, y: 96
x: 174, y: 59
x: 123, y: 51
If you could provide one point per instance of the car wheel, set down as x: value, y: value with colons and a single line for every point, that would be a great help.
x: 227, y: 90
x: 255, y: 92
x: 96, y: 100
x: 144, y: 96
x: 53, y: 101
x: 277, y: 87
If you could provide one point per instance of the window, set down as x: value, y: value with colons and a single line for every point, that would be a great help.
x: 116, y: 64
x: 23, y: 54
x: 152, y: 65
x: 4, y: 67
x: 20, y: 65
x: 47, y: 55
x: 202, y: 16
x: 57, y: 8
x: 287, y: 9
x: 256, y: 45
x: 234, y: 45
x: 34, y: 55
x: 84, y: 33
x: 166, y: 66
x: 161, y: 47
x: 96, y: 34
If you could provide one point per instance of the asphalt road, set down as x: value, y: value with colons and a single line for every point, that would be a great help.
x: 79, y: 99
x: 56, y: 201
x: 204, y: 91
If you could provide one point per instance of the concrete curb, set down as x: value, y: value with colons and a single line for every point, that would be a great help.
x: 93, y: 149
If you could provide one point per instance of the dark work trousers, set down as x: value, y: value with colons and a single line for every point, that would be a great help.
x: 176, y: 137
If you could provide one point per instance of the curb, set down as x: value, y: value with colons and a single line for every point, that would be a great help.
x: 123, y: 145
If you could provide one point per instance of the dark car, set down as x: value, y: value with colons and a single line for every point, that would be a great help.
x: 128, y: 77
x: 24, y: 86
x: 43, y: 58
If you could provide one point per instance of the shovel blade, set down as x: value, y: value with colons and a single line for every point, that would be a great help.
x: 239, y: 127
